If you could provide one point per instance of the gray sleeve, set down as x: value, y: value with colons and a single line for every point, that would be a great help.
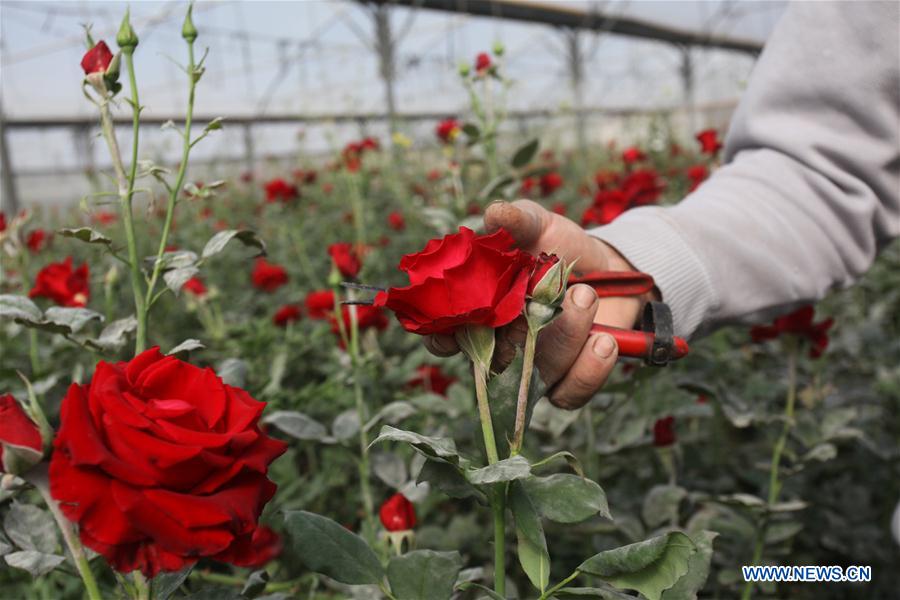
x: 811, y: 189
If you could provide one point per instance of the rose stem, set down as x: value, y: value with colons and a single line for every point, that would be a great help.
x: 141, y: 587
x: 38, y: 478
x: 777, y: 450
x: 365, y: 488
x: 182, y: 169
x: 498, y: 497
x: 524, y: 386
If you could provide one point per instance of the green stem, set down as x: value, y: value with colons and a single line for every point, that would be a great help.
x: 774, y: 482
x: 364, y: 483
x: 484, y: 412
x: 141, y: 586
x: 524, y: 386
x: 179, y: 179
x: 38, y: 478
x: 549, y: 593
x: 33, y: 353
x: 126, y: 190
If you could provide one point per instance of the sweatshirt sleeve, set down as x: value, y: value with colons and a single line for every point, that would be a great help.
x: 810, y: 192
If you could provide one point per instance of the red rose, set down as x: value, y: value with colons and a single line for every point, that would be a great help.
x: 396, y: 221
x: 447, y: 130
x: 461, y: 279
x: 798, y: 323
x: 434, y: 175
x: 345, y: 258
x: 61, y: 284
x: 432, y: 379
x: 605, y: 179
x: 607, y: 206
x: 160, y: 464
x: 253, y: 551
x: 279, y: 190
x: 97, y: 59
x: 398, y: 513
x: 482, y: 63
x: 550, y: 182
x: 195, y: 286
x: 527, y: 185
x: 664, y: 432
x: 2, y: 221
x: 697, y: 175
x: 543, y: 263
x: 633, y: 155
x: 709, y: 142
x: 320, y: 304
x: 21, y: 445
x: 267, y: 276
x: 286, y: 314
x: 37, y: 240
x: 369, y: 143
x: 105, y: 217
x: 642, y: 187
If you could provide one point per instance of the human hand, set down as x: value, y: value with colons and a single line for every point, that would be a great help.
x: 573, y: 362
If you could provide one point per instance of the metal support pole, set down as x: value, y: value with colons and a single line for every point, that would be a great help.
x: 249, y: 158
x: 385, y: 46
x: 575, y: 57
x: 687, y: 84
x: 10, y: 203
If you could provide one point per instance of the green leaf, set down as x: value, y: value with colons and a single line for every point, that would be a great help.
x: 503, y: 390
x: 256, y: 584
x: 297, y: 425
x: 650, y: 567
x: 217, y: 242
x: 570, y: 458
x: 471, y: 130
x: 72, y: 319
x: 468, y: 585
x: 602, y: 593
x: 693, y: 581
x: 31, y: 528
x: 450, y: 480
x: 525, y: 153
x: 508, y: 469
x: 393, y: 412
x: 390, y: 468
x: 326, y: 547
x: 186, y: 346
x: 494, y: 186
x: 85, y: 234
x: 345, y: 425
x: 424, y: 575
x: 19, y: 307
x: 432, y: 447
x: 176, y: 278
x: 36, y: 563
x: 566, y: 498
x: 532, y: 545
x: 214, y: 125
x: 166, y: 584
x: 661, y: 504
x: 114, y: 335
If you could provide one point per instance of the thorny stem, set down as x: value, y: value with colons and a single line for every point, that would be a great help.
x: 774, y: 482
x: 365, y: 487
x: 179, y: 179
x: 38, y: 478
x: 126, y: 191
x: 524, y: 387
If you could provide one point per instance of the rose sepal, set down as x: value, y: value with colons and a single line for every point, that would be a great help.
x: 477, y: 342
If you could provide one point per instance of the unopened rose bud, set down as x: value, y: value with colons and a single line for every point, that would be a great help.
x: 21, y: 441
x: 546, y: 290
x: 127, y: 39
x: 464, y: 69
x: 499, y: 48
x: 188, y: 31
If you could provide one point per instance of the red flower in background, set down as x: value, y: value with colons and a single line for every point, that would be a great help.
x: 97, y: 59
x: 367, y: 317
x: 397, y: 513
x: 664, y: 432
x: 527, y: 185
x: 550, y: 182
x: 559, y: 208
x: 353, y: 152
x: 396, y: 221
x: 432, y: 379
x: 267, y: 276
x: 2, y: 221
x: 697, y: 174
x: 21, y: 445
x: 798, y: 323
x: 62, y: 284
x: 606, y: 207
x: 279, y: 190
x: 105, y: 217
x: 605, y: 179
x: 286, y: 314
x: 345, y: 258
x: 195, y: 286
x: 461, y: 279
x: 320, y: 304
x: 642, y: 187
x: 482, y: 63
x: 37, y: 240
x: 709, y: 142
x: 632, y: 155
x: 447, y: 130
x: 160, y: 464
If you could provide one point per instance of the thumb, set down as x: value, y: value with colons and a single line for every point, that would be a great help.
x: 523, y: 219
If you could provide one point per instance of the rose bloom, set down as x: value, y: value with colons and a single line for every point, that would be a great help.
x: 37, y: 240
x: 798, y: 323
x: 542, y: 264
x: 345, y: 258
x: 604, y: 178
x: 97, y: 59
x: 550, y: 182
x: 195, y: 287
x: 2, y: 221
x: 664, y: 432
x: 267, y: 276
x: 447, y: 130
x: 320, y: 304
x: 632, y: 155
x: 482, y: 63
x: 527, y: 186
x: 279, y: 190
x: 396, y: 221
x: 62, y: 284
x: 709, y: 142
x: 286, y: 314
x: 461, y: 279
x: 606, y: 207
x: 642, y: 187
x: 697, y: 174
x: 432, y: 379
x: 105, y: 217
x: 160, y: 463
x: 397, y: 513
x: 21, y: 445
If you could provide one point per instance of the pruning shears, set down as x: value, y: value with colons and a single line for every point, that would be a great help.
x: 654, y: 340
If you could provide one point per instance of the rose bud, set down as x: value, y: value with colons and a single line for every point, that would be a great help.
x: 286, y: 314
x: 267, y: 276
x: 546, y: 290
x: 320, y: 304
x: 664, y: 432
x: 709, y: 142
x: 21, y: 443
x: 345, y: 258
x: 432, y: 379
x: 398, y: 513
x: 62, y: 284
x: 126, y: 38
